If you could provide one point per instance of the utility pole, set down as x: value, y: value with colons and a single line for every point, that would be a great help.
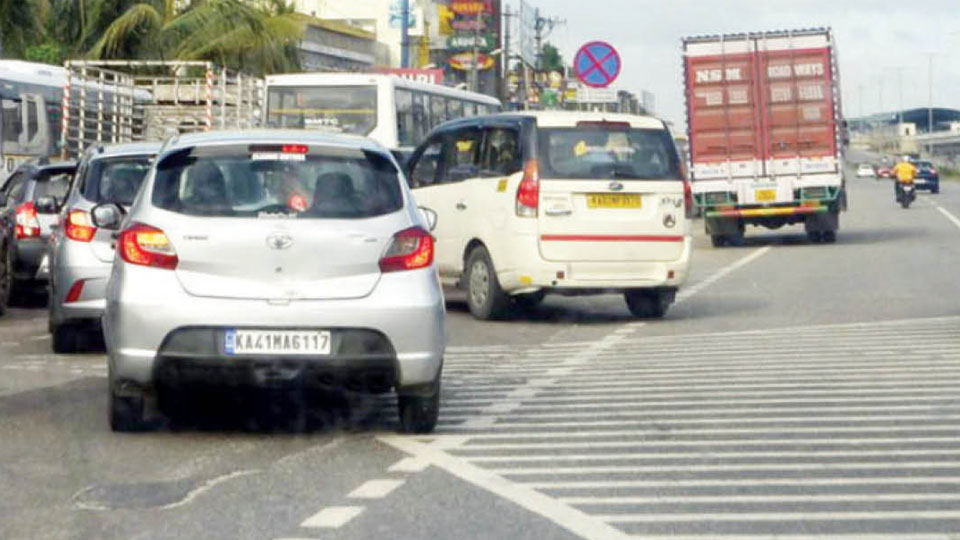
x: 404, y: 34
x: 505, y: 56
x: 542, y: 28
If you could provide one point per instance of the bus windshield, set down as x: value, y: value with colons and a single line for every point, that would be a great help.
x: 338, y: 109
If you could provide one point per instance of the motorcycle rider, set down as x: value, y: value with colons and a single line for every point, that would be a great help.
x: 904, y: 173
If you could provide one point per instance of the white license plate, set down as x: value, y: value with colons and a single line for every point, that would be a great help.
x: 277, y: 342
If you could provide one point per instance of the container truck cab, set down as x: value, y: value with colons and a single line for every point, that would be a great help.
x: 763, y: 117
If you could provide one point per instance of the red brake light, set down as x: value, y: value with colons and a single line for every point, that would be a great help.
x: 79, y: 227
x: 294, y: 149
x: 410, y: 249
x: 75, y: 291
x: 528, y: 193
x: 147, y: 246
x: 27, y: 225
x: 688, y: 198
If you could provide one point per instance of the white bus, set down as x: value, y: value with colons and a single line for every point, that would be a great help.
x: 396, y: 112
x: 30, y: 101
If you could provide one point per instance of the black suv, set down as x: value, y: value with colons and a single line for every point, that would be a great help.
x: 29, y: 201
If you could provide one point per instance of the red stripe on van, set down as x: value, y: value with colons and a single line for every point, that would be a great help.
x: 608, y: 238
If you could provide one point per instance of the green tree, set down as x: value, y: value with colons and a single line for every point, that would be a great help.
x: 19, y: 27
x: 552, y: 61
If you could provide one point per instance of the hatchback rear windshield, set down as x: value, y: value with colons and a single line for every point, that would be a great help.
x: 278, y: 180
x: 52, y: 184
x: 608, y: 151
x: 115, y: 180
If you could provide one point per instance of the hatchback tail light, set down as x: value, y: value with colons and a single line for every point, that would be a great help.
x: 688, y: 198
x: 528, y: 194
x: 147, y: 246
x: 410, y: 249
x: 27, y: 224
x: 79, y: 227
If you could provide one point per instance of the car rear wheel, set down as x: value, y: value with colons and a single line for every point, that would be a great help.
x: 485, y: 298
x: 647, y: 304
x: 127, y: 413
x: 419, y: 412
x: 65, y: 338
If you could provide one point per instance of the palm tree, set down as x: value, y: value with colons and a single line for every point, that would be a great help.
x: 259, y: 37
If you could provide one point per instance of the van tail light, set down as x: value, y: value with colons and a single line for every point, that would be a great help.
x: 79, y: 226
x: 933, y: 170
x: 147, y: 246
x: 75, y: 291
x: 410, y: 249
x: 528, y: 194
x: 688, y: 199
x: 26, y: 223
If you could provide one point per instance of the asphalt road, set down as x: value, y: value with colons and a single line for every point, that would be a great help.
x: 795, y: 391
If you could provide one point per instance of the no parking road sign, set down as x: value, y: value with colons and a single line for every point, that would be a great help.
x: 597, y: 64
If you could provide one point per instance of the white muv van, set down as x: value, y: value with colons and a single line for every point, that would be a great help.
x: 556, y: 202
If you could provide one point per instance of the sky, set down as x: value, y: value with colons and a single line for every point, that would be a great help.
x: 874, y: 40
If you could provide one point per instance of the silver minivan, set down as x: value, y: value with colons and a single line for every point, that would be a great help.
x: 80, y: 254
x: 265, y: 258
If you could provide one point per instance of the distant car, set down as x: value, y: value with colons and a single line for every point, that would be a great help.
x: 928, y: 177
x: 80, y: 254
x: 866, y: 170
x: 272, y: 258
x: 884, y: 172
x: 29, y: 201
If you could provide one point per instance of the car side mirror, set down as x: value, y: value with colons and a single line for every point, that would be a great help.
x: 47, y: 205
x: 107, y: 216
x: 429, y: 217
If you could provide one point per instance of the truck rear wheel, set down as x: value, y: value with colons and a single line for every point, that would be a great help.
x: 718, y: 240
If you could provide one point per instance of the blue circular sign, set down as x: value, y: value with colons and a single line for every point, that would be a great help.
x: 597, y: 64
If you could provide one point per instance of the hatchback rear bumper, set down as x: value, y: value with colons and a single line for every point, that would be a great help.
x: 146, y: 306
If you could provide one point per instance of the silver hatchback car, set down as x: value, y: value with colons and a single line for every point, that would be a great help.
x: 261, y: 258
x: 80, y: 254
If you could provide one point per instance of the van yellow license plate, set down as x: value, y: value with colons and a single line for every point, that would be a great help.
x: 614, y: 200
x: 766, y: 195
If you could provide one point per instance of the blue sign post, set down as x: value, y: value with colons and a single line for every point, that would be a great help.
x: 597, y: 64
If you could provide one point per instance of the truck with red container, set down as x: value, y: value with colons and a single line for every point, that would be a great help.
x: 766, y: 132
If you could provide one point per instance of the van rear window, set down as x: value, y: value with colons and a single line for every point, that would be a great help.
x: 596, y: 151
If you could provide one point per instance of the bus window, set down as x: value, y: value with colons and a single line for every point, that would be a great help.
x: 470, y: 109
x: 421, y: 116
x: 12, y: 118
x: 454, y: 108
x: 340, y: 109
x: 406, y: 124
x: 32, y: 126
x: 438, y: 110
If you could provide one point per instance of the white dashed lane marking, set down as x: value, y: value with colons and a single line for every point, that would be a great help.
x: 332, y: 517
x: 375, y: 489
